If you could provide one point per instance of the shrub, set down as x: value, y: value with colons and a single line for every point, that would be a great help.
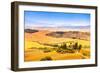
x: 59, y: 50
x: 46, y: 51
x: 55, y: 45
x: 46, y: 58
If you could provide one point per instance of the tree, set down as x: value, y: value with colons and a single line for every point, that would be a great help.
x: 79, y: 48
x: 75, y: 46
x: 63, y: 46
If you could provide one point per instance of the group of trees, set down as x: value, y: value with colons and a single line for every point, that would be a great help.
x: 77, y: 47
x: 63, y: 47
x: 68, y: 47
x: 71, y: 46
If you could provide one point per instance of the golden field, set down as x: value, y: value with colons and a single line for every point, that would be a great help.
x: 39, y: 46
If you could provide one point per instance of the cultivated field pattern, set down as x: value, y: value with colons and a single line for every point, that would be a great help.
x: 42, y: 45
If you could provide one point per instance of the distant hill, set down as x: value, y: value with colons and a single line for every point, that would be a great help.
x: 65, y: 26
x: 70, y: 34
x: 30, y: 30
x: 74, y: 27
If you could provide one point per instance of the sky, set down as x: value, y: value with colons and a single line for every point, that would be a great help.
x: 55, y: 19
